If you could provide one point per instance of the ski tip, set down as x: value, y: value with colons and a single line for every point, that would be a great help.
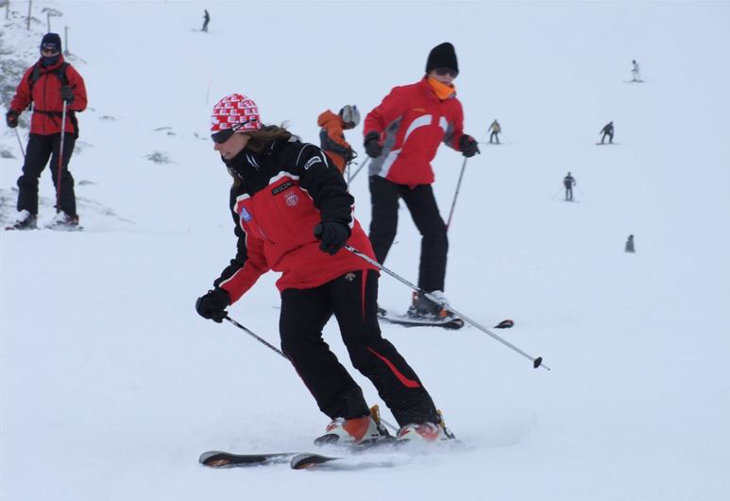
x: 308, y: 460
x: 505, y: 324
x: 214, y: 459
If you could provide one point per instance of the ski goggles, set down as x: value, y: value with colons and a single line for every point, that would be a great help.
x: 50, y: 48
x: 446, y: 71
x: 222, y: 136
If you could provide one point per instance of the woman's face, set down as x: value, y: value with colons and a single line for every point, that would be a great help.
x: 233, y: 146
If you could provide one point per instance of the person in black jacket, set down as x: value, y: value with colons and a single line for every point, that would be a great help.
x: 607, y: 131
x: 206, y: 20
x: 293, y: 214
x: 569, y: 182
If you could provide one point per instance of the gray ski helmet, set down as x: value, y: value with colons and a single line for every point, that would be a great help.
x: 350, y: 115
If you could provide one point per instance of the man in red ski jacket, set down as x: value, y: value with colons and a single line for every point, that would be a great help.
x: 48, y: 85
x: 402, y: 135
x: 293, y: 214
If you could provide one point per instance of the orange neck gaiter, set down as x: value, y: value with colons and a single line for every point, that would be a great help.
x: 442, y: 90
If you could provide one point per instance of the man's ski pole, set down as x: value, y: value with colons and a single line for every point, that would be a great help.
x: 60, y: 157
x: 363, y: 164
x: 277, y: 350
x: 458, y: 187
x: 255, y: 336
x: 20, y: 143
x: 536, y: 362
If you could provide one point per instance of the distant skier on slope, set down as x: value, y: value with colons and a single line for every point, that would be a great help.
x: 293, y: 214
x: 495, y: 129
x: 635, y: 76
x: 607, y: 131
x: 206, y: 20
x: 332, y: 138
x: 402, y: 135
x: 629, y: 247
x: 569, y: 182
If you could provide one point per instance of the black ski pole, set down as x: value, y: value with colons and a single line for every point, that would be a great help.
x: 458, y: 187
x: 363, y: 164
x: 60, y: 157
x: 20, y: 143
x: 277, y: 350
x: 255, y: 336
x: 536, y: 362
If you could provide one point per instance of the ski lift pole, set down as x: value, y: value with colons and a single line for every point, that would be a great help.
x: 20, y: 143
x: 62, y: 140
x: 536, y: 362
x: 458, y: 187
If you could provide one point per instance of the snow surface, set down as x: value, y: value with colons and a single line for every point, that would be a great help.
x: 112, y: 385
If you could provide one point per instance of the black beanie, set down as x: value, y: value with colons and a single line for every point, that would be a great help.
x: 51, y: 39
x: 442, y: 56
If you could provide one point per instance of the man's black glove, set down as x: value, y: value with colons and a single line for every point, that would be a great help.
x: 332, y: 235
x: 67, y: 94
x: 468, y: 146
x: 213, y: 305
x: 372, y: 145
x: 350, y: 155
x: 11, y: 117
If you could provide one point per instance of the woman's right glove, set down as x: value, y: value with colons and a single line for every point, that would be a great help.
x: 213, y: 305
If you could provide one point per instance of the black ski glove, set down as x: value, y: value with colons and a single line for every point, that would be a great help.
x: 213, y: 305
x: 11, y: 117
x: 468, y: 146
x: 372, y: 145
x: 67, y: 94
x: 332, y: 235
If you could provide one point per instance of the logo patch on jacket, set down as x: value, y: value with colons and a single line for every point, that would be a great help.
x: 245, y: 215
x: 283, y: 186
x: 291, y: 199
x: 312, y: 161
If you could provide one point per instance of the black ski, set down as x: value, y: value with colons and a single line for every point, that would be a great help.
x: 310, y: 460
x: 221, y: 459
x: 449, y: 322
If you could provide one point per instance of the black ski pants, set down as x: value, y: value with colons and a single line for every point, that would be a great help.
x: 352, y: 298
x: 40, y: 149
x: 421, y: 203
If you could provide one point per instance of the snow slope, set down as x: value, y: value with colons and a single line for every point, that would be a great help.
x: 111, y: 385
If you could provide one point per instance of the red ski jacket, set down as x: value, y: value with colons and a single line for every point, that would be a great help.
x: 412, y: 121
x: 45, y: 94
x: 277, y: 199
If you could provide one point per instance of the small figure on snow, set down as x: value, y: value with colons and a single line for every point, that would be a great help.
x: 607, y: 131
x: 494, y: 130
x: 402, y: 135
x: 206, y: 20
x: 55, y: 88
x: 635, y: 76
x: 332, y: 138
x: 630, y: 244
x: 293, y: 214
x: 569, y: 182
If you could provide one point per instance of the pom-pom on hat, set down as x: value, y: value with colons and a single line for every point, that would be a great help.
x: 442, y: 56
x: 235, y: 110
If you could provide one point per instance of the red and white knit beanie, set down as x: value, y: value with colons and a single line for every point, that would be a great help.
x: 235, y: 109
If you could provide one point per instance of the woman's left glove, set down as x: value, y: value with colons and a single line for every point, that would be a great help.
x: 213, y: 305
x: 332, y: 235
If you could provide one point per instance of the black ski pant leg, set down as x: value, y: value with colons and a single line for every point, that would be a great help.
x: 67, y: 200
x: 304, y: 312
x: 354, y: 300
x: 37, y: 154
x: 434, y: 242
x: 384, y: 217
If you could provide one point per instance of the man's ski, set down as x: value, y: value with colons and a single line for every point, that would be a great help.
x: 221, y: 459
x: 448, y: 322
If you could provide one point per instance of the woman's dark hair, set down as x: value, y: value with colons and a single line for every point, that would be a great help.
x: 264, y: 136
